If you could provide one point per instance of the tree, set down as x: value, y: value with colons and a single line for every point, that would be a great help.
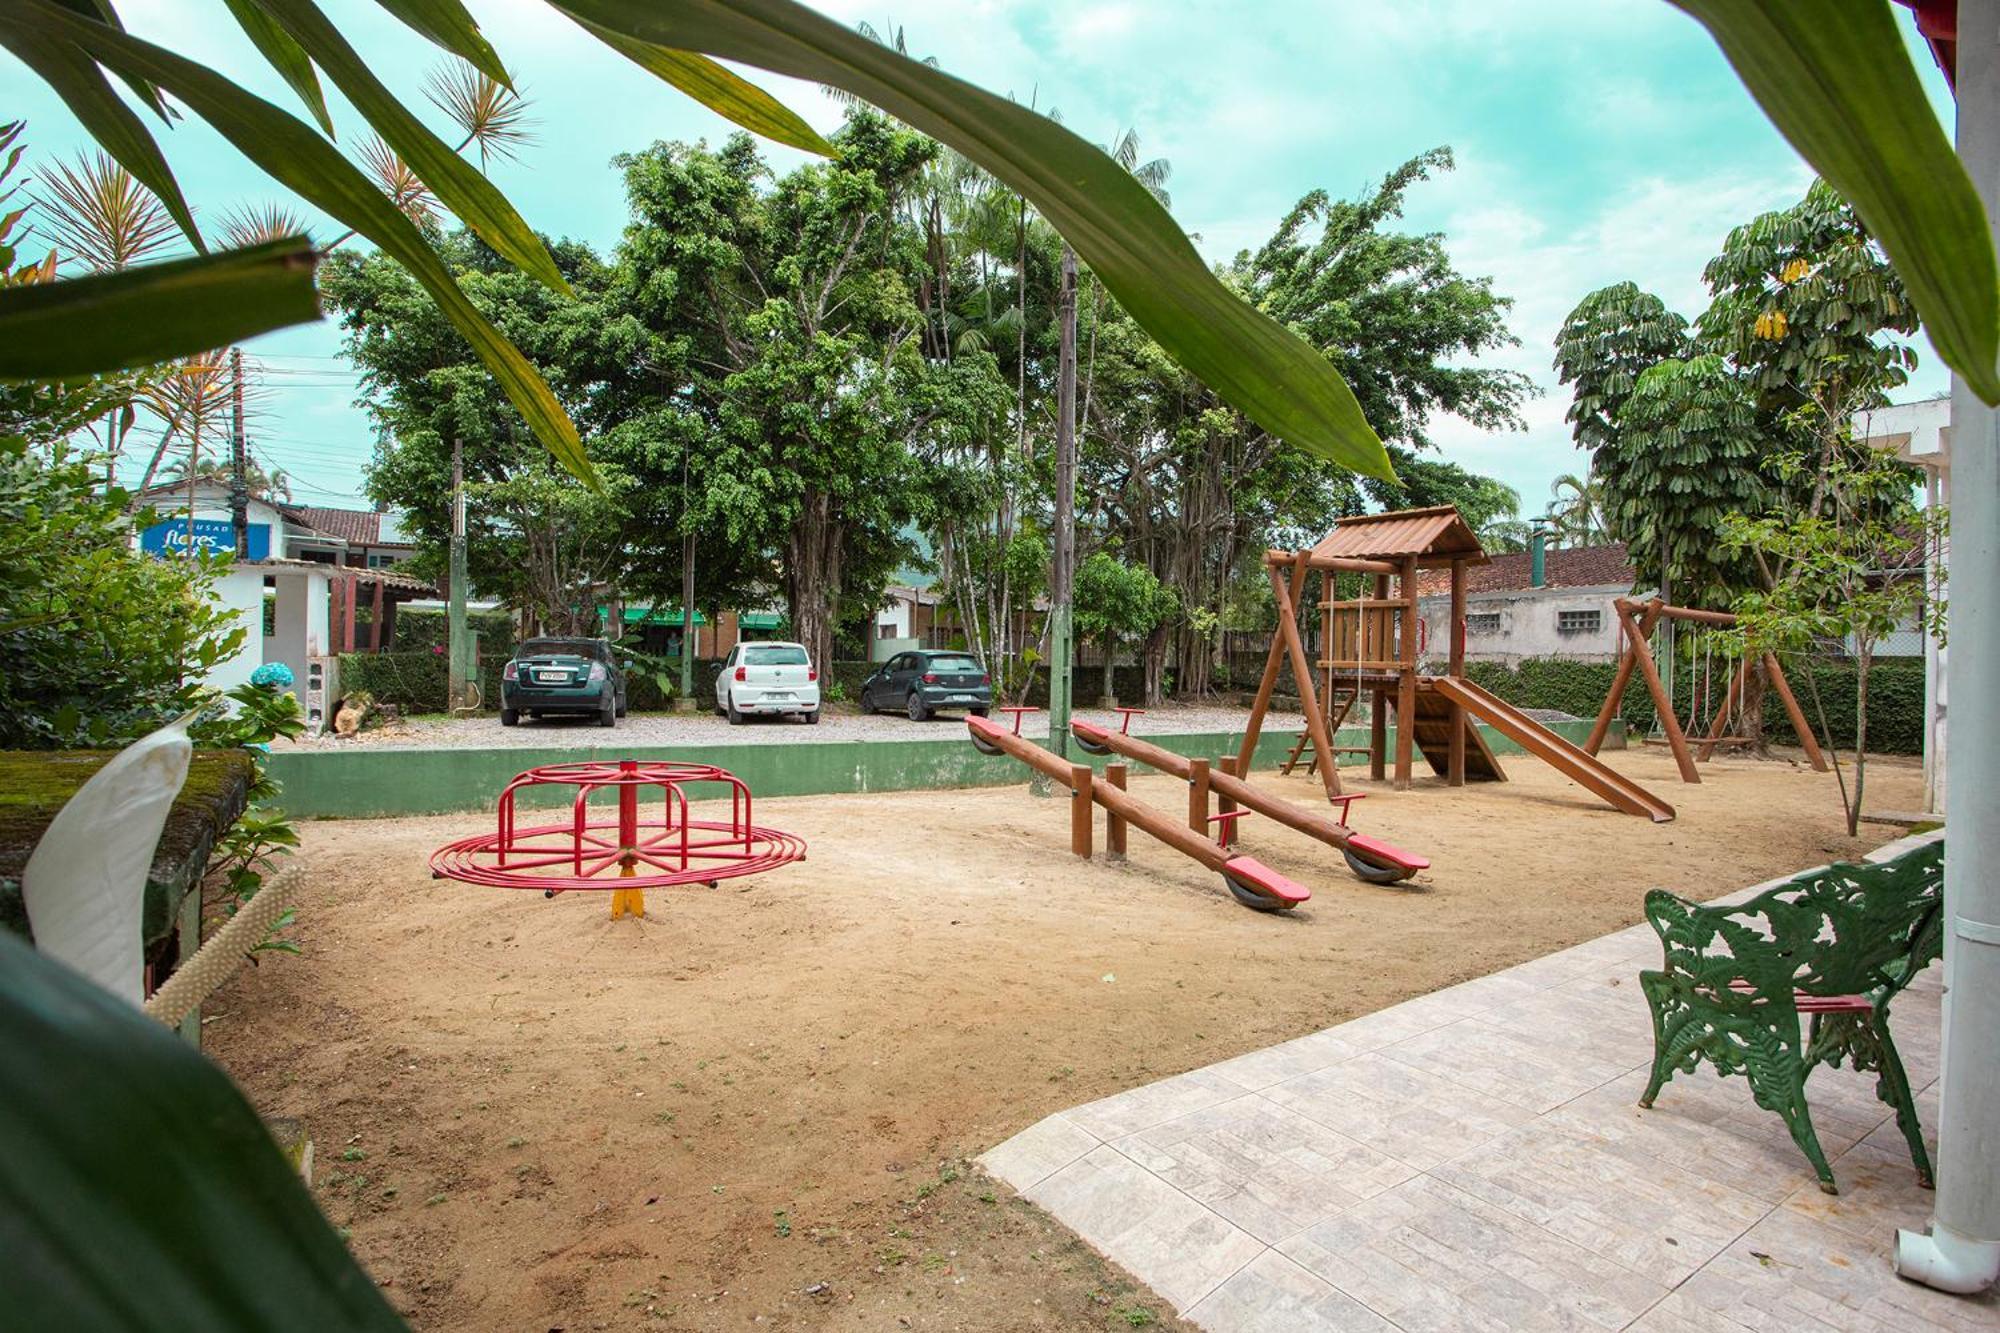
x: 1843, y: 573
x: 810, y: 355
x: 1576, y: 510
x: 1117, y: 601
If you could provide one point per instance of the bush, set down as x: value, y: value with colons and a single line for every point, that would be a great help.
x: 414, y: 682
x: 421, y: 631
x: 1895, y: 687
x: 99, y: 642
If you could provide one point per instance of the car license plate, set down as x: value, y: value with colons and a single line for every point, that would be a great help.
x: 961, y: 698
x: 777, y: 694
x: 551, y: 677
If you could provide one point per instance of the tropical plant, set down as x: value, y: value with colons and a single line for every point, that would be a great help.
x: 1576, y: 511
x: 1115, y: 602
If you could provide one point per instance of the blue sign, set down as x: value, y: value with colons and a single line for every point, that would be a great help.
x: 210, y: 534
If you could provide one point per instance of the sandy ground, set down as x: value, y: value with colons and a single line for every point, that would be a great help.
x: 840, y: 722
x: 755, y: 1108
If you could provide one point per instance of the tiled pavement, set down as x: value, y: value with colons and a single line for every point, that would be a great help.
x: 1475, y: 1160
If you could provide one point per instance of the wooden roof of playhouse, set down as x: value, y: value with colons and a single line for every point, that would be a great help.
x: 1436, y: 536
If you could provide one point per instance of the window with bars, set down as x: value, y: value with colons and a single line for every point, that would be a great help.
x: 1482, y: 622
x: 1579, y: 622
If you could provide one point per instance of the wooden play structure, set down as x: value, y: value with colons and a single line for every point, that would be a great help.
x: 1639, y: 620
x: 1370, y: 647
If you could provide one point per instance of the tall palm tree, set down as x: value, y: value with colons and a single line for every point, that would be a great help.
x: 263, y: 483
x: 1577, y: 511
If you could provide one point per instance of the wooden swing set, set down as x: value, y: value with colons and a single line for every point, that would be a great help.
x: 1639, y: 620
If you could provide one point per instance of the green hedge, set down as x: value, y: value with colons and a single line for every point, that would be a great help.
x: 1895, y: 689
x: 421, y: 631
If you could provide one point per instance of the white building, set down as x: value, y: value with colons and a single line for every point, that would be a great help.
x: 1515, y: 611
x: 319, y: 578
x: 1920, y: 433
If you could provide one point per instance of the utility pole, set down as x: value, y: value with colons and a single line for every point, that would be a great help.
x: 460, y: 648
x: 239, y: 449
x: 1961, y: 1250
x: 687, y: 704
x: 1062, y: 584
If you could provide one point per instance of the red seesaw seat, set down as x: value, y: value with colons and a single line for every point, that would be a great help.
x: 1257, y: 885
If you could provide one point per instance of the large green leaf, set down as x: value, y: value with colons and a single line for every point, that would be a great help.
x: 284, y: 55
x: 447, y: 23
x: 84, y: 90
x: 458, y: 186
x: 1116, y: 225
x: 1835, y: 79
x: 719, y: 89
x: 154, y: 312
x: 139, y: 1193
x: 300, y: 160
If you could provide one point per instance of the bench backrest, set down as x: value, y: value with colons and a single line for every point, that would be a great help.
x: 1841, y: 930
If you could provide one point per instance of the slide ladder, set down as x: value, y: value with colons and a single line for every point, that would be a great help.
x: 1571, y: 761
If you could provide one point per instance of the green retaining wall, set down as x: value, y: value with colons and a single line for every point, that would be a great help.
x: 370, y: 782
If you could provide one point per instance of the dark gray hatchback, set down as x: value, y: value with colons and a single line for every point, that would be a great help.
x: 927, y: 681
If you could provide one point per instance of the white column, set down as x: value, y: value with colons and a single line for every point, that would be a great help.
x: 1961, y: 1252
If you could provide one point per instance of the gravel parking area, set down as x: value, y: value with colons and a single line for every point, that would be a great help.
x: 485, y: 731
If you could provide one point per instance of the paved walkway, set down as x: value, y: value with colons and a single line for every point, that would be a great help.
x: 1475, y: 1159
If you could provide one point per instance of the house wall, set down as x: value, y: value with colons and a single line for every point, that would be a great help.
x: 1529, y: 620
x: 240, y: 592
x: 300, y: 631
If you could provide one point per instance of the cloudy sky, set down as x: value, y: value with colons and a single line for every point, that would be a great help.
x: 1595, y: 142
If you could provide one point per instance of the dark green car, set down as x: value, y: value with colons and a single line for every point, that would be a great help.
x: 562, y: 676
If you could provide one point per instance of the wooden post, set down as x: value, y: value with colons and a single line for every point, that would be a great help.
x: 1378, y: 707
x: 1807, y: 740
x: 1114, y: 823
x: 1079, y: 809
x: 1661, y: 703
x: 1623, y: 678
x: 1455, y: 771
x: 347, y: 600
x: 1406, y: 681
x: 1197, y: 814
x: 1223, y: 804
x: 375, y: 620
x: 1302, y: 675
x: 1737, y: 679
x: 1272, y: 660
x: 389, y: 625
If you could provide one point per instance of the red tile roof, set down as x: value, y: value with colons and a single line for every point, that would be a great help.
x: 1576, y: 567
x: 356, y: 527
x: 1438, y: 530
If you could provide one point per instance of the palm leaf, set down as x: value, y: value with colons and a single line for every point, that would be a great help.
x: 139, y: 1191
x: 284, y: 55
x: 475, y: 200
x: 82, y: 86
x: 492, y: 115
x: 1836, y: 81
x: 449, y: 25
x: 301, y: 161
x: 716, y: 88
x: 155, y: 312
x: 98, y: 213
x: 1111, y: 219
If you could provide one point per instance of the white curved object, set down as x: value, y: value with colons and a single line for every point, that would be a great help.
x: 1947, y: 1261
x: 85, y: 883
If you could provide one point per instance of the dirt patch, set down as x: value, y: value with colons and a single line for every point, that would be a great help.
x: 755, y: 1108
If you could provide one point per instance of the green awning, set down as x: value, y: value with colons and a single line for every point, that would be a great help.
x: 659, y: 615
x: 759, y: 620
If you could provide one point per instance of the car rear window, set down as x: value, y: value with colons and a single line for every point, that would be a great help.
x: 954, y: 664
x: 562, y: 647
x: 786, y: 655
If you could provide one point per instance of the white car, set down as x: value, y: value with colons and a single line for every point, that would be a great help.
x: 774, y: 678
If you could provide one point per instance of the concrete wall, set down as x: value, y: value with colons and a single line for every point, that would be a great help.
x: 299, y: 630
x: 371, y: 782
x: 240, y: 592
x: 1528, y: 621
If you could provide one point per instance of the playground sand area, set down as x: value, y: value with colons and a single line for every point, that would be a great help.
x: 757, y: 1107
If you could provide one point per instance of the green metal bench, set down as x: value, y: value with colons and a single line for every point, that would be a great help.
x: 1835, y: 945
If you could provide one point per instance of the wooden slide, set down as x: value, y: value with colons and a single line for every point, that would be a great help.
x: 1571, y: 761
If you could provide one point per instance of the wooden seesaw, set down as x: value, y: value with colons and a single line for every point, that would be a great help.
x: 1371, y: 859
